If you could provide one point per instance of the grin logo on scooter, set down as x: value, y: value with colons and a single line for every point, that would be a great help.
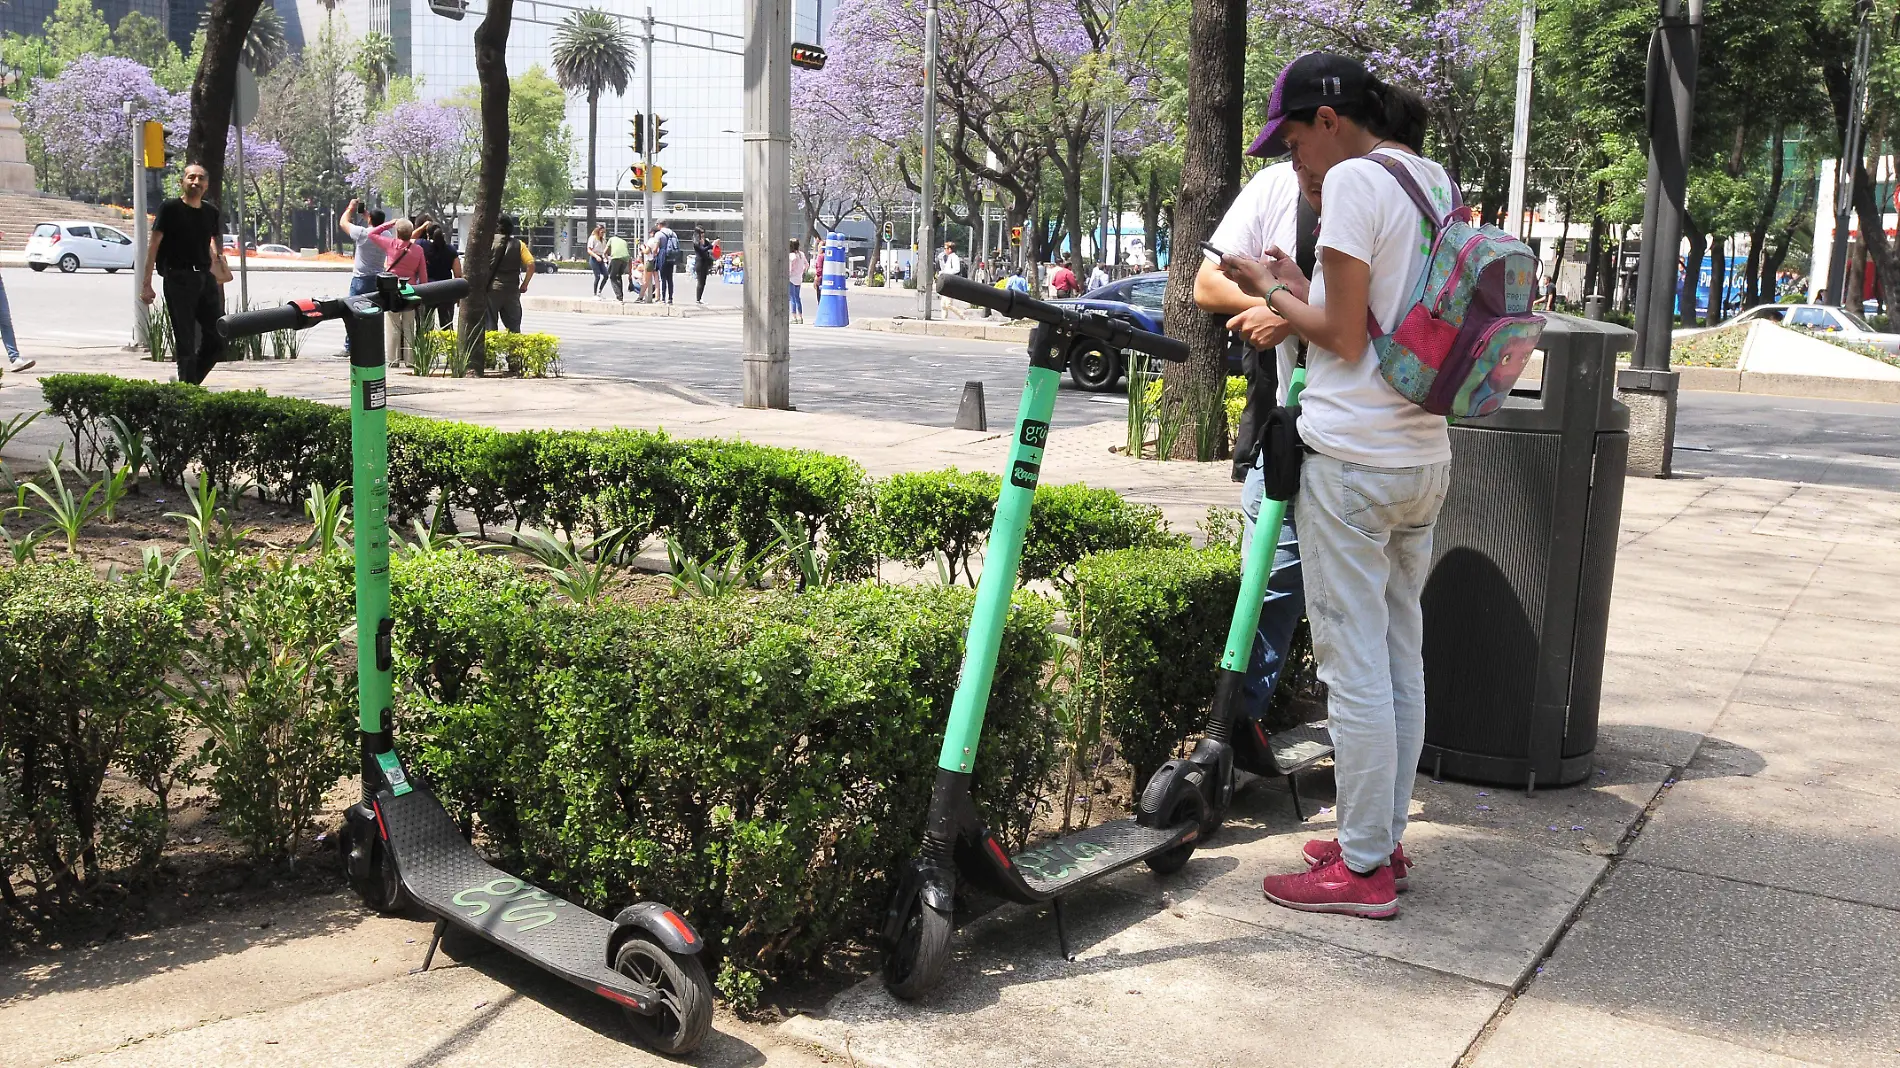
x: 1023, y: 474
x: 532, y: 907
x: 1035, y: 433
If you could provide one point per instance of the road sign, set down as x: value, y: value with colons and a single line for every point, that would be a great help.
x: 244, y: 101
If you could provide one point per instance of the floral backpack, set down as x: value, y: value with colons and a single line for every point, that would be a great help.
x: 1468, y: 330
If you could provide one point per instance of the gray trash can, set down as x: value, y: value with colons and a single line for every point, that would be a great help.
x: 1517, y: 604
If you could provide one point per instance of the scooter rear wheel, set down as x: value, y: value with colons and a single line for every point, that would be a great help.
x: 685, y: 1011
x: 916, y: 963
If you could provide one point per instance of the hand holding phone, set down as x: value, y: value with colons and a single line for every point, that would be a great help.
x: 1213, y: 254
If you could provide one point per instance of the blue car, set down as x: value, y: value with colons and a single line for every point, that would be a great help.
x: 1096, y: 367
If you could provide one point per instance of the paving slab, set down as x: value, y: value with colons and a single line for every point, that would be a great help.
x: 1156, y: 986
x: 1542, y: 1033
x: 1604, y: 806
x: 1747, y: 965
x: 1841, y: 843
x: 1821, y: 684
x: 1804, y: 746
x: 1482, y: 905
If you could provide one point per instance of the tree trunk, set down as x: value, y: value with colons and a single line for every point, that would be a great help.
x: 1072, y: 201
x: 593, y: 147
x: 1803, y: 212
x: 1593, y: 263
x: 1765, y: 218
x: 1718, y: 278
x: 215, y: 87
x: 1151, y: 210
x: 1691, y: 269
x: 491, y: 71
x: 1210, y: 176
x: 1873, y: 235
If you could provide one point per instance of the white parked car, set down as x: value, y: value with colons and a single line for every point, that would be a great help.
x: 72, y: 244
x: 1819, y: 317
x: 276, y: 250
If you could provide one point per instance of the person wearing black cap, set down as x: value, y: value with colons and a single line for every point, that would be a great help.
x: 1377, y: 468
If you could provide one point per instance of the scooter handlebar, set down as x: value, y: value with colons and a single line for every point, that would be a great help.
x: 297, y: 315
x: 1078, y: 320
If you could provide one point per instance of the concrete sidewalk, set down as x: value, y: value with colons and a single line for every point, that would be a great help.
x: 1724, y: 891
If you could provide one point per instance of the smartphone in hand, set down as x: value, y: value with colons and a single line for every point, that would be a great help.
x: 1213, y: 254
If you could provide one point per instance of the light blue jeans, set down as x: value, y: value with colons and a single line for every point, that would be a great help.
x: 1283, y: 605
x: 1367, y: 534
x: 6, y: 327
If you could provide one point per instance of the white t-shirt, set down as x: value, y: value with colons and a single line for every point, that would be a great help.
x: 1348, y: 411
x: 949, y: 263
x: 1266, y: 214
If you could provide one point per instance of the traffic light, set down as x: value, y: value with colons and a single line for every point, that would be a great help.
x: 152, y: 142
x: 656, y: 179
x: 659, y: 134
x: 639, y: 135
x: 449, y: 9
x: 639, y: 176
x: 1015, y: 235
x: 808, y: 56
x: 890, y: 230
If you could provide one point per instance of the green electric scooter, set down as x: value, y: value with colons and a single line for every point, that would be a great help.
x: 399, y: 845
x: 1184, y: 801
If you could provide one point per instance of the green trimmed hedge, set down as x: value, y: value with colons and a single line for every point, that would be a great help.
x: 761, y: 763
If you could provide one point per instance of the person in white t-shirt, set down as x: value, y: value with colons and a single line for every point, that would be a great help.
x: 1378, y: 466
x: 1098, y: 277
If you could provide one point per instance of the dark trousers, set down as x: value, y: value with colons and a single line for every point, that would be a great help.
x: 666, y: 281
x: 194, y: 302
x: 504, y: 307
x: 600, y: 275
x: 617, y: 273
x: 700, y: 293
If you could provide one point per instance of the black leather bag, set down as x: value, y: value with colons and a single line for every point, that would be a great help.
x: 1280, y: 441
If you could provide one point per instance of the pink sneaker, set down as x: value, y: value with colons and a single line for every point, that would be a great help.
x: 1322, y: 851
x: 1336, y: 888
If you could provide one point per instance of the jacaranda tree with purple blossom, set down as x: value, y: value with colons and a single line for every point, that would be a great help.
x: 262, y: 159
x: 77, y: 117
x: 438, y: 143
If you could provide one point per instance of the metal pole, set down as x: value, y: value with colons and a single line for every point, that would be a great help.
x: 1521, y: 123
x: 1847, y: 174
x: 768, y: 137
x: 244, y: 274
x: 405, y: 187
x: 926, y: 243
x: 1108, y: 136
x: 141, y: 226
x: 646, y: 137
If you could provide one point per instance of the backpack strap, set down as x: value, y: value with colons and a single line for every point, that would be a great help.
x: 1403, y: 175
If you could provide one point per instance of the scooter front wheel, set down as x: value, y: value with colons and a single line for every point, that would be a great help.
x: 380, y: 886
x: 1188, y: 805
x: 917, y: 962
x: 685, y: 1009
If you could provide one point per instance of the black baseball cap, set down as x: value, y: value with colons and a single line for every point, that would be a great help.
x: 1316, y: 79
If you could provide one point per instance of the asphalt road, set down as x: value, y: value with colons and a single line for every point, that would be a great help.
x: 921, y: 380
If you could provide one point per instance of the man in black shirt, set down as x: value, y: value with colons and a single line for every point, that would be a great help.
x: 187, y: 253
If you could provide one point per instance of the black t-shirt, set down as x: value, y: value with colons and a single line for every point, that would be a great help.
x: 188, y: 234
x: 439, y: 254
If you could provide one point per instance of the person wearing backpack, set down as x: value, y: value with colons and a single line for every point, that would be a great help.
x: 1377, y: 466
x: 511, y: 267
x: 669, y: 260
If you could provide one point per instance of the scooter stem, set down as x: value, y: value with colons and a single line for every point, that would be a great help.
x: 369, y: 499
x: 1257, y: 568
x: 1002, y: 554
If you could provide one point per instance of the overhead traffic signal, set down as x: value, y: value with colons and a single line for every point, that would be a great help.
x: 659, y: 134
x: 639, y: 135
x: 656, y: 179
x: 152, y: 145
x: 1015, y: 235
x: 890, y: 230
x: 808, y: 56
x: 639, y: 176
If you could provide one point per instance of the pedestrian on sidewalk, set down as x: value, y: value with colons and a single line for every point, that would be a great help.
x: 1266, y: 215
x: 704, y: 254
x: 1378, y: 466
x: 650, y: 265
x: 1063, y: 281
x: 1098, y: 277
x: 597, y: 258
x: 444, y: 261
x: 511, y: 268
x: 1016, y: 283
x: 618, y: 258
x: 187, y: 253
x: 798, y: 268
x: 14, y: 362
x: 405, y: 259
x: 367, y: 259
x: 669, y: 260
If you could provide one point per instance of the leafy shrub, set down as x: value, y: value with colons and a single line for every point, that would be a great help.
x: 266, y: 679
x: 733, y: 490
x: 80, y: 663
x: 527, y: 355
x: 762, y: 763
x: 926, y: 513
x: 1155, y: 627
x: 1069, y: 522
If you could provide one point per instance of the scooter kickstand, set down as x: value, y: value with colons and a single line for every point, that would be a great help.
x: 434, y: 941
x: 1062, y: 930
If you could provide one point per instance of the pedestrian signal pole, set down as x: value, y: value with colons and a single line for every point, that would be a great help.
x: 646, y: 147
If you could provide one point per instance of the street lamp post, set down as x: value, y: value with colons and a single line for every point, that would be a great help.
x: 926, y: 243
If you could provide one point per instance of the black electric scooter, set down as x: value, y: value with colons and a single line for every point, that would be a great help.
x: 1184, y: 801
x: 399, y: 845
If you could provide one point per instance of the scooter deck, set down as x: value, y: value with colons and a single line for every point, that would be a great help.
x: 443, y: 873
x: 1062, y: 865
